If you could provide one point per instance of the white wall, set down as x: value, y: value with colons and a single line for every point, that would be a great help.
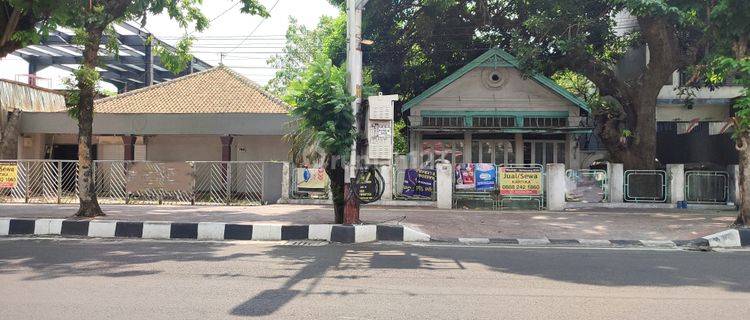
x: 260, y: 148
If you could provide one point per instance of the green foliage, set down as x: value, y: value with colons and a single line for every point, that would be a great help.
x: 177, y: 59
x: 321, y: 103
x: 580, y: 86
x: 399, y: 137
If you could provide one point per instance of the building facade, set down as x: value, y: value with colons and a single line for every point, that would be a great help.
x: 490, y: 112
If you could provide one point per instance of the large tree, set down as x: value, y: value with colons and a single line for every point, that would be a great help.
x: 92, y: 19
x: 24, y: 22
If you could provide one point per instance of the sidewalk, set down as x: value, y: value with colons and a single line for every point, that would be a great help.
x: 590, y: 224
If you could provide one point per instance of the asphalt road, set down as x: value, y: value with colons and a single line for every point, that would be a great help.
x: 137, y: 279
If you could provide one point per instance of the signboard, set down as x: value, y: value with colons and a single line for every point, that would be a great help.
x: 8, y: 175
x: 311, y: 179
x: 167, y: 176
x: 367, y: 187
x: 485, y: 175
x: 465, y: 176
x: 520, y: 181
x: 419, y: 183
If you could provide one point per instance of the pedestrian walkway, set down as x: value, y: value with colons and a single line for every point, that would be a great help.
x: 598, y: 224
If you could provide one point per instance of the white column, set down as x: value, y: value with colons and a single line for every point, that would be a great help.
x: 444, y: 185
x: 467, y: 148
x: 387, y: 173
x: 519, y: 148
x: 415, y: 150
x: 555, y: 186
x: 676, y: 174
x: 734, y: 196
x: 285, y: 181
x: 616, y: 176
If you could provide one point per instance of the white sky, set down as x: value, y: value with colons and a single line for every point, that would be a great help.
x: 225, y: 34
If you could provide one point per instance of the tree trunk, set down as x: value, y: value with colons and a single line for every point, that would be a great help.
x: 638, y: 149
x: 743, y: 218
x: 9, y: 135
x: 335, y: 171
x: 89, y: 205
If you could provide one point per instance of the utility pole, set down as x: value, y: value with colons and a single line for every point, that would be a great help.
x: 354, y: 71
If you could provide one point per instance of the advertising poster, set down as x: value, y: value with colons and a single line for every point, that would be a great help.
x: 520, y: 181
x: 465, y: 176
x: 8, y: 175
x: 311, y: 179
x: 419, y: 183
x: 485, y: 176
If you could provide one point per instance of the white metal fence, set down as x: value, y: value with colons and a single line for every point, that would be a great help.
x: 138, y: 182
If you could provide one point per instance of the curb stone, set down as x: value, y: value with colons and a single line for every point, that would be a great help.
x: 209, y: 230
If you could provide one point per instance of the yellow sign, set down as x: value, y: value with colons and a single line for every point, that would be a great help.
x: 520, y: 181
x: 311, y: 179
x: 8, y: 175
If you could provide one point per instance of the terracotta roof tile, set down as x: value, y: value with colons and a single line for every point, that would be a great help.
x: 216, y: 90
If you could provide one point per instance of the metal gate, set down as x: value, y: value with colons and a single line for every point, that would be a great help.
x: 586, y: 185
x: 706, y: 186
x: 645, y: 186
x: 185, y: 182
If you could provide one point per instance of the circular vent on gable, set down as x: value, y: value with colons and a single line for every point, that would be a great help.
x: 494, y: 78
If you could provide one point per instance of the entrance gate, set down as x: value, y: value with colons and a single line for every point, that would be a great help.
x: 586, y: 185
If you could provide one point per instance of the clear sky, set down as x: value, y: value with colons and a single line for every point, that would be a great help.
x: 246, y: 51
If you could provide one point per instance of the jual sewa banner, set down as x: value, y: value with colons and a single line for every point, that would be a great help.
x: 8, y: 175
x: 520, y: 181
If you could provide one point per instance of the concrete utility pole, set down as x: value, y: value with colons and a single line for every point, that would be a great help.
x: 354, y: 70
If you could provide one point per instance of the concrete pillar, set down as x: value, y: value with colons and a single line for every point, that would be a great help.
x: 387, y: 172
x: 128, y: 147
x: 676, y: 175
x: 616, y: 176
x: 272, y: 182
x: 415, y: 149
x: 555, y: 186
x: 519, y: 148
x: 467, y: 148
x: 148, y: 62
x: 226, y: 148
x: 734, y: 197
x: 444, y: 185
x: 286, y: 180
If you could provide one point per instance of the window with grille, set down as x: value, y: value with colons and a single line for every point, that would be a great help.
x: 545, y: 122
x: 442, y: 121
x: 493, y: 122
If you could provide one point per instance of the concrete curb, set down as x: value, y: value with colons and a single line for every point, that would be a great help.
x: 615, y: 243
x: 209, y: 230
x: 730, y: 238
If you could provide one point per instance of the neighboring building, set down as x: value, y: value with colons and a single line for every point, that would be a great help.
x: 212, y: 115
x: 488, y: 112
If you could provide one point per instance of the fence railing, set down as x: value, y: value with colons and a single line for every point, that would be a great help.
x: 139, y: 182
x: 586, y: 185
x: 645, y: 186
x: 706, y: 187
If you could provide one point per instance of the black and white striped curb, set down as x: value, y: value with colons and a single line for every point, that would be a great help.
x: 577, y: 242
x: 209, y: 230
x: 730, y: 238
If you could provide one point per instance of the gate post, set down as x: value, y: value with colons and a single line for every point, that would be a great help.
x: 676, y: 174
x: 734, y: 196
x: 286, y: 181
x: 444, y: 185
x: 387, y: 172
x: 59, y: 181
x: 555, y: 186
x: 616, y: 176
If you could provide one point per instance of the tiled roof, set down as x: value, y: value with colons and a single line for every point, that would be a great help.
x: 216, y: 90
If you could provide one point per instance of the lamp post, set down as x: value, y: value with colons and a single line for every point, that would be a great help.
x: 354, y: 71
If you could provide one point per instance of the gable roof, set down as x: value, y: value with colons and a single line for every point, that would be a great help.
x: 495, y: 57
x: 216, y: 90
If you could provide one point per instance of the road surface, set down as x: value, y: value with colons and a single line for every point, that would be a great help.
x: 139, y: 279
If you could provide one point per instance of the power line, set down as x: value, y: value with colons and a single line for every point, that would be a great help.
x: 256, y: 27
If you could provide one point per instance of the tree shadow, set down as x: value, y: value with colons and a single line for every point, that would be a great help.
x: 589, y: 267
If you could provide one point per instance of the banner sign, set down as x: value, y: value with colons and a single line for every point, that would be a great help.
x: 520, y: 181
x: 485, y: 176
x: 419, y: 183
x: 167, y: 176
x: 465, y: 176
x: 311, y: 179
x: 8, y: 175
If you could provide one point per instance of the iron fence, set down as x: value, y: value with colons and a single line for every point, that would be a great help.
x: 138, y: 182
x: 645, y: 186
x: 586, y: 185
x: 706, y: 186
